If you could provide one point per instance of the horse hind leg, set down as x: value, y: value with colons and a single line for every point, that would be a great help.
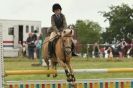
x: 48, y: 66
x: 54, y: 64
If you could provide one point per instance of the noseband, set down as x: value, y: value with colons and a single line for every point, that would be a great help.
x: 66, y: 52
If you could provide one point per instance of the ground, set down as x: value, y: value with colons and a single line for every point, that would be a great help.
x: 77, y: 62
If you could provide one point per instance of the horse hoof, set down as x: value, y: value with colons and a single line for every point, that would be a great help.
x: 73, y: 79
x: 69, y: 80
x: 48, y: 75
x: 54, y: 75
x: 73, y: 85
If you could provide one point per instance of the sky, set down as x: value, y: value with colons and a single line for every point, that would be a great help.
x: 41, y: 10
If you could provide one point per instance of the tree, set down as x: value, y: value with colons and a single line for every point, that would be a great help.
x: 88, y: 31
x: 121, y: 22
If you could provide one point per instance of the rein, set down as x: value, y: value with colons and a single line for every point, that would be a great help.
x: 51, y: 39
x: 54, y: 38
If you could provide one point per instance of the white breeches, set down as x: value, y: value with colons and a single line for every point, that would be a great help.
x: 52, y: 35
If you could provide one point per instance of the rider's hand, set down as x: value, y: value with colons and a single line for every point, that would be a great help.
x: 58, y: 33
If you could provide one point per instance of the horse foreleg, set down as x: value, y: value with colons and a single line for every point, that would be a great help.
x: 71, y: 72
x: 66, y: 70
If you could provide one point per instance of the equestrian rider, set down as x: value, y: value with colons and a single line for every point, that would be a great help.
x: 58, y: 23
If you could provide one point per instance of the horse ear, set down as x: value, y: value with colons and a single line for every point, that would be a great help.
x: 71, y: 32
x: 64, y: 31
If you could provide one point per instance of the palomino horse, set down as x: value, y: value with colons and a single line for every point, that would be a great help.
x: 62, y: 54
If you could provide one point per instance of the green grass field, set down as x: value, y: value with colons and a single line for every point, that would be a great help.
x: 81, y: 63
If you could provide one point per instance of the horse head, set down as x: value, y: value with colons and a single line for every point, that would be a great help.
x: 67, y: 35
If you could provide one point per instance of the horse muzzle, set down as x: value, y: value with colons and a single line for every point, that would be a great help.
x: 68, y: 50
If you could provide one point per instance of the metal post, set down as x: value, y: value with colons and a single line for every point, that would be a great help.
x: 1, y: 60
x: 41, y: 51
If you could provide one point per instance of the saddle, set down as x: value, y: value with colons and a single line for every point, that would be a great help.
x: 51, y: 47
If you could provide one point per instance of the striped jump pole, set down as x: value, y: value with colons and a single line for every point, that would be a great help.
x: 94, y: 83
x: 28, y: 72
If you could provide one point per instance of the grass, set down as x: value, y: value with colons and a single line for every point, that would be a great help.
x: 81, y: 63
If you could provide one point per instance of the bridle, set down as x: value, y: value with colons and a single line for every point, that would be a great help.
x: 66, y: 47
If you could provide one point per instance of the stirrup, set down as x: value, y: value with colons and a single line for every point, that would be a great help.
x: 74, y: 54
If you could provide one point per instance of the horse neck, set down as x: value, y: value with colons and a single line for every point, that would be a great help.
x: 60, y: 43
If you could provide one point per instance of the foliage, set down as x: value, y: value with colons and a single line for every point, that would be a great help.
x: 121, y: 22
x: 87, y: 31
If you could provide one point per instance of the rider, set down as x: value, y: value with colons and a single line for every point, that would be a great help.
x: 58, y: 23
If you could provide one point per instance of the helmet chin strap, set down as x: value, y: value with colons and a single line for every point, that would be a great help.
x: 57, y: 14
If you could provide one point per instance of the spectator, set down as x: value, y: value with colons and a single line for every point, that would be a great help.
x: 34, y: 36
x: 31, y: 46
x: 102, y: 49
x: 96, y: 50
x: 120, y: 47
x: 130, y: 50
x: 20, y: 49
x: 38, y: 44
x: 108, y: 52
x: 24, y: 50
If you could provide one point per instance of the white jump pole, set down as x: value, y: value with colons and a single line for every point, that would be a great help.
x: 1, y: 59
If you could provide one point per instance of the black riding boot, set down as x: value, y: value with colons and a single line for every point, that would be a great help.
x: 50, y: 49
x: 73, y: 50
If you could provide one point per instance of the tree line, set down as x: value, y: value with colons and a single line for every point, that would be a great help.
x: 120, y: 20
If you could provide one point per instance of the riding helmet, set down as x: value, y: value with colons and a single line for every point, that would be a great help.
x: 56, y: 6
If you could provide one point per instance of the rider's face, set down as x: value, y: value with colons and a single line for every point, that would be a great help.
x: 57, y: 12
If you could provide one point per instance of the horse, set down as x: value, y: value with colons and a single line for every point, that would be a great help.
x: 63, y: 54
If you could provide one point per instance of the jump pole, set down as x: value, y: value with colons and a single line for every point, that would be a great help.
x: 83, y: 83
x: 77, y: 71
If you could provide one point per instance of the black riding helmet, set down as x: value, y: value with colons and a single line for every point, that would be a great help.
x: 56, y: 6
